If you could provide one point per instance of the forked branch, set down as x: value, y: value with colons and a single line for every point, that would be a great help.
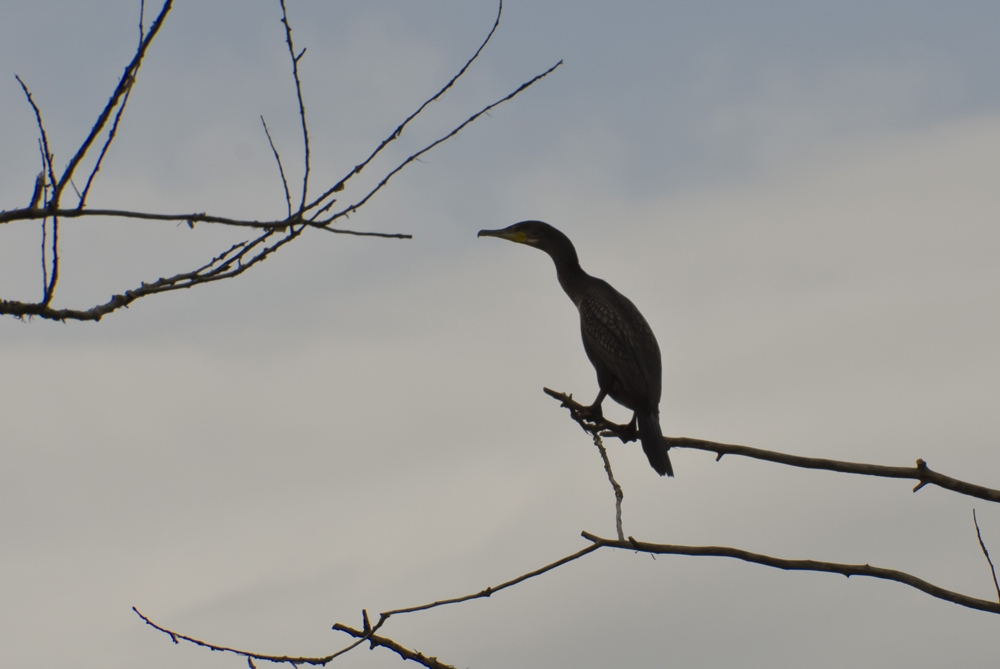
x: 271, y: 234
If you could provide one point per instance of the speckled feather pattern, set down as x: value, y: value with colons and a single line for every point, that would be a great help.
x: 621, y: 346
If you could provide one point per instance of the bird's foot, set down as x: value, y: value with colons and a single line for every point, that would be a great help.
x: 593, y: 413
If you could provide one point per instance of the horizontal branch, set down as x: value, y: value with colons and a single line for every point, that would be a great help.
x: 800, y: 565
x: 921, y: 473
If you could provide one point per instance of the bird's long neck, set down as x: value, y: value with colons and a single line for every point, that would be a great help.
x: 572, y: 278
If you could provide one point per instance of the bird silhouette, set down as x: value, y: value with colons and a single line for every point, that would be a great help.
x: 616, y: 337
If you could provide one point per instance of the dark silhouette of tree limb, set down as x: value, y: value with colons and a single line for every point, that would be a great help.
x: 405, y: 653
x: 921, y: 473
x: 800, y: 565
x: 368, y: 633
x: 271, y: 235
x: 982, y: 545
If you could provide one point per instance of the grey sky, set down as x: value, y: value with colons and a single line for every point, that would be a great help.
x: 800, y: 197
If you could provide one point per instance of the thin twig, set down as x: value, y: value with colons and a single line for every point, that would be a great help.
x: 104, y: 149
x: 302, y: 107
x: 230, y: 264
x: 41, y: 129
x: 987, y: 554
x: 124, y: 85
x: 354, y: 207
x: 45, y: 266
x: 369, y: 632
x: 177, y: 637
x: 281, y: 170
x: 403, y: 652
x: 922, y: 473
x: 50, y: 289
x: 339, y: 186
x: 491, y: 590
x: 619, y: 493
x: 355, y: 233
x: 801, y: 565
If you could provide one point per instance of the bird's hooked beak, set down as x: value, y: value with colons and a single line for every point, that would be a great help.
x: 506, y: 233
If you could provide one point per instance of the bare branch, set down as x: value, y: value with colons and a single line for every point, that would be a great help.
x: 369, y: 632
x: 46, y: 152
x: 491, y: 590
x: 45, y: 265
x: 242, y: 256
x: 281, y: 170
x: 278, y: 659
x: 619, y: 493
x: 801, y: 565
x: 921, y: 472
x: 986, y: 553
x: 355, y: 233
x: 302, y: 107
x: 339, y: 186
x: 104, y: 149
x: 231, y: 263
x: 405, y: 653
x: 415, y: 156
x: 128, y: 78
x: 50, y: 288
x: 191, y: 219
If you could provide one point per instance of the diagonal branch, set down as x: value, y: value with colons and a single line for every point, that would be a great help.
x: 801, y: 565
x: 232, y: 262
x: 490, y: 590
x: 278, y: 659
x: 128, y: 78
x: 281, y: 170
x: 921, y: 473
x: 369, y: 632
x: 354, y: 207
x: 104, y: 149
x: 46, y: 152
x: 339, y: 186
x: 298, y: 92
x: 987, y: 554
x: 405, y: 653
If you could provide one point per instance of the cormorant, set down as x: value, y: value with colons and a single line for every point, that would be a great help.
x: 617, y: 339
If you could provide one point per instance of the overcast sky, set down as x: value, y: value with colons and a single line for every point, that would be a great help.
x: 801, y: 198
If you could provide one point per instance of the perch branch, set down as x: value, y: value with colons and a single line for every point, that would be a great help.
x: 921, y: 473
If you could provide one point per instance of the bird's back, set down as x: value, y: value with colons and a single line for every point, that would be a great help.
x: 621, y: 346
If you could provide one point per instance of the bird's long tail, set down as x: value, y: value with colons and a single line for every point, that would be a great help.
x: 653, y: 444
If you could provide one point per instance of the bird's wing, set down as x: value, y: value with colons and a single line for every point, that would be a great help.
x: 619, y: 342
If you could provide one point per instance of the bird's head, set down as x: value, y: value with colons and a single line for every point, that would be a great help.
x: 533, y: 233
